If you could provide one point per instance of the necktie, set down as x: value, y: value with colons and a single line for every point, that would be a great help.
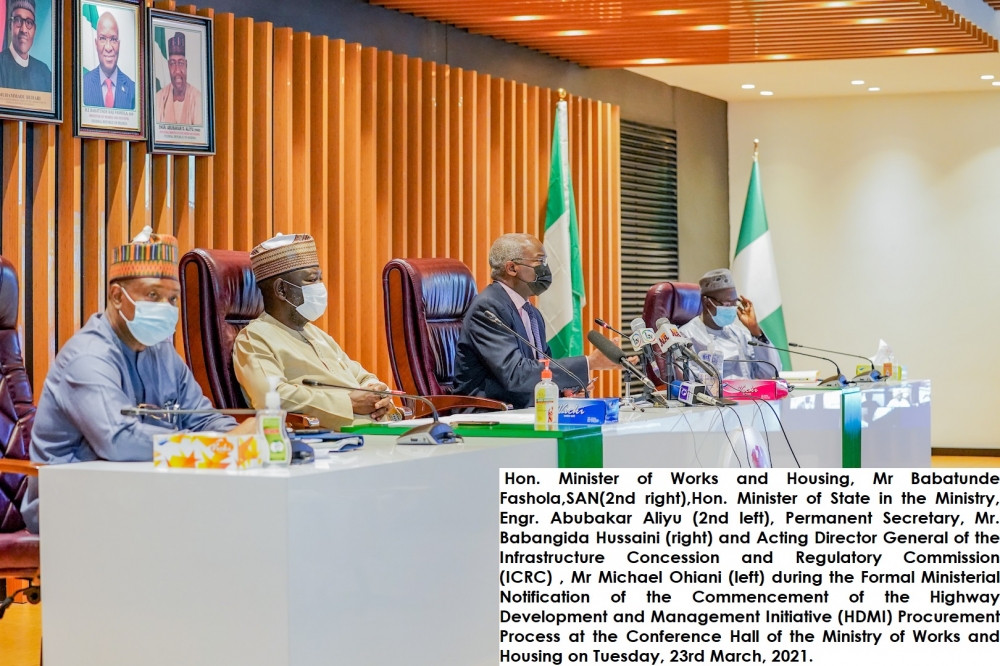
x: 534, y: 316
x: 109, y: 97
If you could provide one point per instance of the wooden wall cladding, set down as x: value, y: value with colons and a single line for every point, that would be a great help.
x: 375, y: 154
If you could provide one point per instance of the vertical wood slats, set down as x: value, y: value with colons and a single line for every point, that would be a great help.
x: 376, y: 154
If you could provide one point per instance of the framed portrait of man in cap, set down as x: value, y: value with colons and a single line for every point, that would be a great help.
x: 31, y: 60
x: 181, y: 83
x: 109, y: 70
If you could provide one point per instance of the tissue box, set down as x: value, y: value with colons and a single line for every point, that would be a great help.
x: 754, y: 389
x: 208, y: 450
x: 588, y: 411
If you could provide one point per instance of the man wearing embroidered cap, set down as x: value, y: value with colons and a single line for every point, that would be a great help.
x: 180, y: 102
x: 283, y: 342
x: 121, y: 358
x: 727, y: 322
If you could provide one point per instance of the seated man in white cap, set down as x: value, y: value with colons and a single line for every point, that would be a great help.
x: 729, y: 321
x: 123, y: 357
x: 283, y: 343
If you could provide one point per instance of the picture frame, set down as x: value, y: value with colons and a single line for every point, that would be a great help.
x: 109, y: 70
x: 180, y: 62
x: 31, y: 60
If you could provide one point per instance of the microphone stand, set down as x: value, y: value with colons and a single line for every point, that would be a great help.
x: 872, y: 375
x: 838, y: 380
x: 604, y: 324
x: 496, y: 320
x: 430, y: 433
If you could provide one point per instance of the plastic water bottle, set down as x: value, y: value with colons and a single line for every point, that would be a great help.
x: 271, y: 428
x: 546, y: 401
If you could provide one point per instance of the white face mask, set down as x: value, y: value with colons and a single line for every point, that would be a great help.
x: 153, y: 322
x: 313, y: 300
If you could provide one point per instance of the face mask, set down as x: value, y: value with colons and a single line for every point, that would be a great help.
x: 153, y: 322
x: 543, y: 280
x: 313, y: 300
x: 724, y: 315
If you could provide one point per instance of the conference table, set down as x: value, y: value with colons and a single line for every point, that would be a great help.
x: 382, y: 555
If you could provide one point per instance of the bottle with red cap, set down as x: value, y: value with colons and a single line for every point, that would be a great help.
x: 546, y: 401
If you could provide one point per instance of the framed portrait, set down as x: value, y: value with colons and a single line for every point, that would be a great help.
x: 109, y: 69
x: 181, y: 83
x: 31, y: 61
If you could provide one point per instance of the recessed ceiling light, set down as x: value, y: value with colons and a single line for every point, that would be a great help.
x: 779, y: 56
x: 870, y: 21
x: 857, y: 82
x: 708, y: 28
x: 834, y: 5
x: 573, y: 33
x: 527, y: 17
x: 766, y: 93
x: 921, y: 51
x: 655, y: 61
x: 874, y: 89
x: 996, y: 83
x: 987, y: 77
x: 748, y: 86
x: 667, y: 12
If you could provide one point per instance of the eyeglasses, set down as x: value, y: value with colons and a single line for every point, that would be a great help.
x: 543, y: 262
x: 104, y: 41
x: 18, y: 21
x: 725, y: 304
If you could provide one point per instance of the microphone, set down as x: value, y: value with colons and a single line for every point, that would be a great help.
x: 694, y: 392
x: 496, y: 320
x: 837, y: 380
x: 642, y: 341
x: 670, y: 340
x: 431, y: 433
x: 773, y: 366
x: 604, y: 324
x: 873, y: 375
x: 614, y: 353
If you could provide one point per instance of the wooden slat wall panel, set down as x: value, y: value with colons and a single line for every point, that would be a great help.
x: 375, y: 154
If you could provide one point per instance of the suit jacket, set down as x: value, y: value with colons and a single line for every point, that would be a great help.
x: 94, y: 96
x: 490, y: 362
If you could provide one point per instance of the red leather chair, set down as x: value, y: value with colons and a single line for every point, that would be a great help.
x: 680, y: 302
x: 219, y: 296
x: 19, y: 554
x: 425, y: 302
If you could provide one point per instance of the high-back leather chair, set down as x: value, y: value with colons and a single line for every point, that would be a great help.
x: 219, y: 296
x: 425, y: 302
x: 680, y: 302
x: 19, y: 553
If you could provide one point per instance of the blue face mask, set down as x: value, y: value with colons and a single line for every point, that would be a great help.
x: 153, y: 322
x: 724, y: 315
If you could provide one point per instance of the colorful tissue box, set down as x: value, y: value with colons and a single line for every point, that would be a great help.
x: 588, y: 411
x: 187, y: 450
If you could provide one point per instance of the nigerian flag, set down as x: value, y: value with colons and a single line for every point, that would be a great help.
x: 161, y: 72
x: 562, y: 303
x: 754, y: 269
x: 89, y: 15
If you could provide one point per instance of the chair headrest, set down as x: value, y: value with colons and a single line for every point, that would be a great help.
x: 235, y: 289
x: 9, y: 295
x: 680, y: 302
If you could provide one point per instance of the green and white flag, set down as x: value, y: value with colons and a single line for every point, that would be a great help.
x: 161, y: 72
x: 561, y: 305
x: 89, y: 15
x: 754, y: 269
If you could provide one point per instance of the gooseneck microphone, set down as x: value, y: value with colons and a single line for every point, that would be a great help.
x: 838, y: 380
x: 874, y: 374
x: 604, y: 324
x: 430, y: 433
x: 614, y: 353
x: 751, y: 361
x: 499, y: 322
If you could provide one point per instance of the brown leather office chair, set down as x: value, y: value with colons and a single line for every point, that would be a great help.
x: 425, y: 302
x: 219, y: 296
x: 19, y: 552
x: 680, y: 302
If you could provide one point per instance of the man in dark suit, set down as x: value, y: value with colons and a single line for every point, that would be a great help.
x: 107, y: 85
x: 490, y: 361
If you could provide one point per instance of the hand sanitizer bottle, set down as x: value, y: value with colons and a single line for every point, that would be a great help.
x: 546, y: 401
x: 271, y: 425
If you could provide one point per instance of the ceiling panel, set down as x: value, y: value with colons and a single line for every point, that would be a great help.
x: 995, y: 4
x: 628, y: 33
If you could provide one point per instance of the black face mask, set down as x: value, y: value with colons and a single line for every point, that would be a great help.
x: 543, y: 280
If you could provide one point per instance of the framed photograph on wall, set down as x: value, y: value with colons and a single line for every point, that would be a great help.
x: 109, y: 69
x: 181, y: 83
x: 31, y: 60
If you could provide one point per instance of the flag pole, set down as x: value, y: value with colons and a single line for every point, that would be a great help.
x: 562, y: 94
x: 756, y: 148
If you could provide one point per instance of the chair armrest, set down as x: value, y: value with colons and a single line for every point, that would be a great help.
x: 450, y: 402
x: 12, y: 466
